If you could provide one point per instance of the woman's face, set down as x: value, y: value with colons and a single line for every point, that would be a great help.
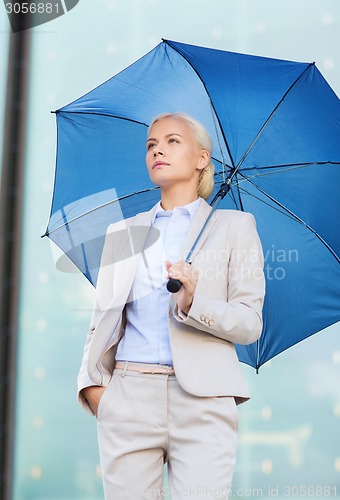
x: 173, y: 154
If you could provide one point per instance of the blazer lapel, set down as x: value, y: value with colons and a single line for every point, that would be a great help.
x: 195, y: 228
x: 131, y: 243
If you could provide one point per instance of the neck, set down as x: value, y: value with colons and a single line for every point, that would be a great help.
x: 177, y: 196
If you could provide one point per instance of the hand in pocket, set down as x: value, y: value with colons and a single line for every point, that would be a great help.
x: 93, y: 395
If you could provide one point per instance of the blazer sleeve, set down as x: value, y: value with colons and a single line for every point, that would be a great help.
x: 238, y: 318
x: 105, y: 275
x: 83, y: 379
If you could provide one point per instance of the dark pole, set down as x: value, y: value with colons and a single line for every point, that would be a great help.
x: 10, y: 249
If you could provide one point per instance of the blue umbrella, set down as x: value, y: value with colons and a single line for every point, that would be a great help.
x: 276, y: 130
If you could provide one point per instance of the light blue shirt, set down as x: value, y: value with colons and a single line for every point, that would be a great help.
x: 146, y: 338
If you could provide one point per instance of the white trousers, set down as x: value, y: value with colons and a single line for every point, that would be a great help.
x: 145, y: 420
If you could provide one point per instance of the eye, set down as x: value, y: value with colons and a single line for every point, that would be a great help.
x: 150, y: 145
x: 172, y: 140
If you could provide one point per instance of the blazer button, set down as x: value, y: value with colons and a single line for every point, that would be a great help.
x: 206, y: 320
x: 202, y: 317
x: 211, y: 322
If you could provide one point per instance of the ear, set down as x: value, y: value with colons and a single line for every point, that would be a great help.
x: 203, y: 160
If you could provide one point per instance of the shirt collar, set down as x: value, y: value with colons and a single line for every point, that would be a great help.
x: 190, y: 208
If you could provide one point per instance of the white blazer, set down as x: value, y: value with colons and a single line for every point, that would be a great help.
x: 226, y: 308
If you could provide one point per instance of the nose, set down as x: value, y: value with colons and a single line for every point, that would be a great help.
x: 157, y: 151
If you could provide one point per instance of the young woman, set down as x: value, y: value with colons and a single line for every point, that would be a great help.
x: 160, y: 370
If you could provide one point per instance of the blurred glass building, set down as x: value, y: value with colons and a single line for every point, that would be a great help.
x: 289, y: 444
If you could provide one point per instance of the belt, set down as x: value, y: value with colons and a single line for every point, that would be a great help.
x: 145, y: 368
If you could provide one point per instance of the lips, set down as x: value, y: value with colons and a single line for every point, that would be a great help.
x: 159, y: 164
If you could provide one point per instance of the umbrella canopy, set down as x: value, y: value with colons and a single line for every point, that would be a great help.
x: 275, y: 126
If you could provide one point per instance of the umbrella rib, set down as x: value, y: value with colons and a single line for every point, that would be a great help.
x: 271, y: 116
x: 263, y: 174
x: 239, y: 196
x: 295, y: 217
x: 286, y: 169
x: 286, y: 166
x: 220, y: 174
x: 243, y: 190
x: 232, y: 194
x: 211, y: 102
x: 47, y: 233
x: 66, y: 112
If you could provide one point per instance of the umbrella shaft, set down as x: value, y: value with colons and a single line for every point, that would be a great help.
x: 175, y: 285
x: 219, y: 196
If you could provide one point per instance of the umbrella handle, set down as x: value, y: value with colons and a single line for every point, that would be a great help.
x: 174, y: 285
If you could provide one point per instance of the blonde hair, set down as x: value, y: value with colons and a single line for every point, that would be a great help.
x: 206, y: 179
